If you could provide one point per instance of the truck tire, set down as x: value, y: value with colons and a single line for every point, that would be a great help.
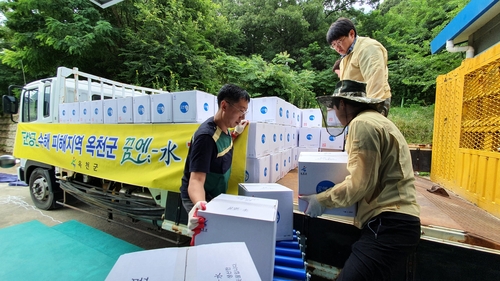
x: 44, y: 190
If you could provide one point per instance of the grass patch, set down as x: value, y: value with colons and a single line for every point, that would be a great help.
x: 416, y: 123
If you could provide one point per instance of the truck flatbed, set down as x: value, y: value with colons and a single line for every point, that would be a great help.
x: 452, y: 218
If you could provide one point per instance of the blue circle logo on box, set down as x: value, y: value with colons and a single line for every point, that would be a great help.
x: 205, y: 106
x: 324, y: 185
x: 141, y: 109
x: 265, y: 172
x: 277, y: 167
x: 288, y: 137
x: 73, y: 112
x: 84, y: 111
x: 96, y: 111
x: 309, y: 137
x: 274, y: 137
x: 247, y: 176
x: 263, y: 138
x: 184, y: 107
x: 263, y: 110
x: 124, y: 109
x: 160, y: 108
x: 110, y: 111
x: 311, y: 117
x: 331, y: 138
x: 281, y: 137
x: 281, y: 112
x: 284, y: 163
x: 287, y: 114
x: 64, y: 112
x: 278, y: 217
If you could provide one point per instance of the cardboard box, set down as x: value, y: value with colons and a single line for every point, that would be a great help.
x: 286, y: 162
x: 279, y: 192
x: 192, y: 106
x: 312, y: 118
x: 96, y: 112
x: 161, y: 108
x: 231, y: 218
x: 258, y: 140
x: 110, y: 108
x: 269, y: 110
x: 220, y: 261
x: 85, y: 112
x: 142, y: 109
x: 328, y: 141
x: 309, y: 137
x: 275, y: 174
x: 319, y: 171
x: 258, y: 169
x: 125, y: 108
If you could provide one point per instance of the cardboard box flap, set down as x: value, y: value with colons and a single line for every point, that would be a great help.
x: 219, y: 261
x: 243, y: 206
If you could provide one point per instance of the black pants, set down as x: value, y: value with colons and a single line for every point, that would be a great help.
x: 385, y: 243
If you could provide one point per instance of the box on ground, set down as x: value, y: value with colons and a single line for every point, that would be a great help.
x: 231, y: 218
x: 279, y: 192
x: 220, y: 261
x: 319, y: 171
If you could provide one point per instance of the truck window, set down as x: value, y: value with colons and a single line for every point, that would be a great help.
x: 46, y: 101
x: 30, y: 105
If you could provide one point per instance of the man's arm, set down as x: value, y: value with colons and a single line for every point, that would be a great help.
x: 373, y: 67
x: 196, y: 189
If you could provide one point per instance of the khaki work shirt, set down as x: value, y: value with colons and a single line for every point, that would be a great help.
x: 367, y: 63
x: 381, y: 174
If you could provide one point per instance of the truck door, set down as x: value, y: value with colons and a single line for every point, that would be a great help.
x: 36, y: 103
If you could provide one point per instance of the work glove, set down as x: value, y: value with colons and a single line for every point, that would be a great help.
x: 196, y: 223
x: 239, y: 128
x: 314, y: 208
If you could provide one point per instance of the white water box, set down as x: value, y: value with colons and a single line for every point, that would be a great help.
x: 231, y: 218
x: 141, y: 109
x: 319, y: 171
x: 110, y: 108
x: 312, y: 118
x: 125, y: 109
x: 258, y: 169
x: 192, y: 106
x: 161, y: 108
x: 96, y: 112
x: 279, y: 192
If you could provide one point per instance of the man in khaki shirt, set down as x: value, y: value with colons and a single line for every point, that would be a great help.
x: 380, y: 181
x: 362, y: 59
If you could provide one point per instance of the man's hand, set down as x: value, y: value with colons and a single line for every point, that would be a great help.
x: 314, y: 208
x: 196, y: 223
x: 239, y: 128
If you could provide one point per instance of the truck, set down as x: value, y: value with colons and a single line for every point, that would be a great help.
x: 134, y: 170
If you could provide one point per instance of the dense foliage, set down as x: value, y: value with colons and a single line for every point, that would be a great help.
x: 270, y: 47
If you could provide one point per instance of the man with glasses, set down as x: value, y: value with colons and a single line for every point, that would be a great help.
x: 210, y: 155
x: 362, y: 59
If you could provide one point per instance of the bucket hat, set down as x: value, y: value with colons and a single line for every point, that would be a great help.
x: 351, y: 90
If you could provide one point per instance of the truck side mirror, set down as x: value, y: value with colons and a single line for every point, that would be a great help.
x: 10, y: 104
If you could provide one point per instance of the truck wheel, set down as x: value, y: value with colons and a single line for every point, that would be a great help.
x: 42, y: 187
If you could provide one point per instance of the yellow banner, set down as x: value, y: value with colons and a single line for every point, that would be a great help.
x: 149, y: 155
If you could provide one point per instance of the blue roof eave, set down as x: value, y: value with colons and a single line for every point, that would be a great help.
x: 464, y: 19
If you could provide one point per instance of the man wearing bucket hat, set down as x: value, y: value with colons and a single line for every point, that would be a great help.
x: 362, y: 59
x: 380, y: 181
